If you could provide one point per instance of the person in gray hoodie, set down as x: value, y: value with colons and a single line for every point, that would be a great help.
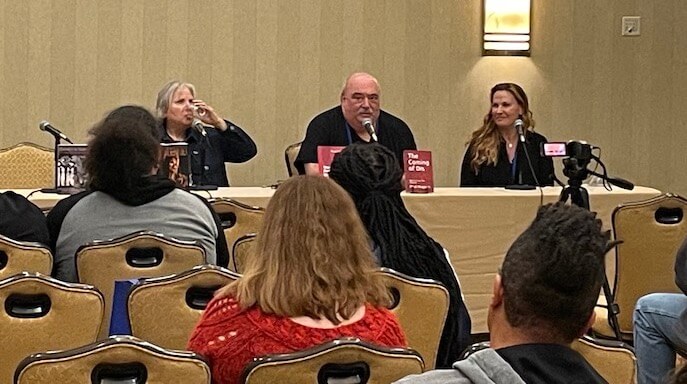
x: 543, y: 298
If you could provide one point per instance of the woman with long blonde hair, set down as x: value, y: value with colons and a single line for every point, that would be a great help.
x: 495, y: 156
x: 312, y: 280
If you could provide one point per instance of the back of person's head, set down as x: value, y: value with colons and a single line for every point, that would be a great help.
x: 166, y: 93
x: 552, y: 273
x: 312, y: 255
x: 122, y: 150
x: 362, y: 169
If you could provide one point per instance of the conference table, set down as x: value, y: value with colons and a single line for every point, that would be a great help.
x: 476, y: 225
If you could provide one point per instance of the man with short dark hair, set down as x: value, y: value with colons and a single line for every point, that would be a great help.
x: 543, y: 299
x: 343, y: 124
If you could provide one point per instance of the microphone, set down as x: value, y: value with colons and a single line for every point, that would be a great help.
x: 370, y: 128
x: 519, y: 126
x: 198, y: 126
x: 46, y: 127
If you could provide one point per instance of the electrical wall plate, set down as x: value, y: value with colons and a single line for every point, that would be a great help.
x: 631, y: 25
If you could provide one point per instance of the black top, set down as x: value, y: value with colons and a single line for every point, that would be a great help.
x: 502, y: 174
x: 22, y: 220
x: 549, y: 364
x: 329, y: 128
x: 233, y: 146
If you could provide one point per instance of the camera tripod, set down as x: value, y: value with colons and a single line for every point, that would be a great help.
x: 579, y: 196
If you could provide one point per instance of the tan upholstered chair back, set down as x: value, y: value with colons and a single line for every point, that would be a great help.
x: 237, y: 219
x: 137, y: 255
x: 290, y: 154
x: 421, y: 307
x: 39, y: 313
x: 27, y: 165
x: 20, y: 256
x: 384, y: 365
x: 243, y: 249
x: 164, y: 310
x: 99, y: 360
x: 651, y: 232
x: 615, y: 361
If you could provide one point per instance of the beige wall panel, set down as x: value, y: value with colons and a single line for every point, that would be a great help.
x: 270, y: 66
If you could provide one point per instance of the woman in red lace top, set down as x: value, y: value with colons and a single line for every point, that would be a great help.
x: 312, y: 282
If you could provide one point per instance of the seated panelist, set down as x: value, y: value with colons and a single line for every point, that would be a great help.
x: 314, y: 281
x: 125, y: 195
x: 343, y: 124
x: 495, y: 156
x: 212, y: 141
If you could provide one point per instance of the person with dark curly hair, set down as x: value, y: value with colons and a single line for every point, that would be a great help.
x: 371, y: 175
x: 543, y: 299
x: 125, y: 195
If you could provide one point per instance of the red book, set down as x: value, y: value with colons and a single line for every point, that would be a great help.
x: 325, y: 156
x: 417, y: 171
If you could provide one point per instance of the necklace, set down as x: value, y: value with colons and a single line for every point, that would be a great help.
x: 510, y: 145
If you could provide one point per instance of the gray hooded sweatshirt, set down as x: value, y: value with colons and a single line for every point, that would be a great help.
x: 482, y: 367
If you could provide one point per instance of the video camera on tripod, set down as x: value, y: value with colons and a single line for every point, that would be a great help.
x: 578, y: 155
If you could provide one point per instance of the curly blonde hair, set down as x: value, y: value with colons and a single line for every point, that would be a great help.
x: 312, y: 256
x: 486, y: 140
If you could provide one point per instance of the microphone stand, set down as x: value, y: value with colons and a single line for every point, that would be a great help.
x: 519, y: 186
x: 55, y: 159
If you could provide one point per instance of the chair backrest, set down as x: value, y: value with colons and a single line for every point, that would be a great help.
x: 27, y: 165
x: 244, y: 248
x: 137, y: 255
x: 119, y: 359
x: 290, y: 154
x: 237, y: 219
x: 39, y: 313
x: 651, y: 232
x: 614, y: 360
x: 421, y: 306
x: 341, y: 358
x: 164, y: 310
x: 21, y: 256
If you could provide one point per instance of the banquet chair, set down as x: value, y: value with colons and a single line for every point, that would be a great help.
x: 237, y: 219
x: 421, y: 306
x: 290, y: 155
x: 40, y: 313
x: 164, y: 310
x: 650, y: 232
x: 27, y: 165
x: 243, y: 248
x: 344, y: 360
x: 614, y: 360
x: 136, y: 255
x: 19, y: 256
x: 118, y: 359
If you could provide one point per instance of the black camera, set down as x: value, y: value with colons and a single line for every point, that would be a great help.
x: 578, y: 153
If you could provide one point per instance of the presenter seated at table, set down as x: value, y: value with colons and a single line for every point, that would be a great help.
x: 22, y: 220
x: 370, y: 175
x: 495, y: 157
x: 125, y: 195
x: 343, y: 124
x: 313, y: 281
x: 219, y: 140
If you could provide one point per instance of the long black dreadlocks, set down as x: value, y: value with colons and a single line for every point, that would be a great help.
x: 371, y: 175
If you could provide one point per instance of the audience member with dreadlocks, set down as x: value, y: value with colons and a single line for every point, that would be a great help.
x: 370, y: 174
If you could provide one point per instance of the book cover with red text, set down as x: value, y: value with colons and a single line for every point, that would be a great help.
x: 417, y: 171
x: 325, y: 156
